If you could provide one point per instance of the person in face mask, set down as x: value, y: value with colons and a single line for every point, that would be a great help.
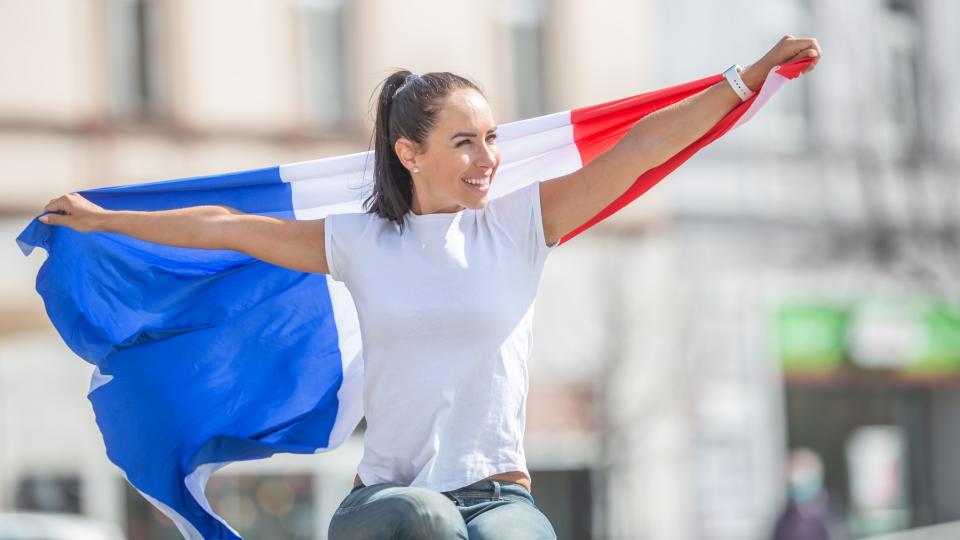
x: 806, y: 514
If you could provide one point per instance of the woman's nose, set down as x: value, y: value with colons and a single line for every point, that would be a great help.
x: 489, y: 156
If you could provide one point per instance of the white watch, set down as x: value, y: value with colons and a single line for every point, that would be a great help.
x: 732, y: 74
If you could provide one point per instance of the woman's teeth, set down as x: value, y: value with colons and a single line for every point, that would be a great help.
x: 477, y: 181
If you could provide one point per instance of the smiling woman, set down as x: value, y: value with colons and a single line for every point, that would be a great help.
x: 444, y: 397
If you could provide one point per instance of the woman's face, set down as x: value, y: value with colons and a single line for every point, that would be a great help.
x: 460, y: 159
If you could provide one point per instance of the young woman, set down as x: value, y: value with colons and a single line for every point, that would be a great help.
x: 444, y: 284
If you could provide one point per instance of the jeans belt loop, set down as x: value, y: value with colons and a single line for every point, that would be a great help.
x: 496, y: 490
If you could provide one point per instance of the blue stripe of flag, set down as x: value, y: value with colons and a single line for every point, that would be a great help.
x: 214, y: 356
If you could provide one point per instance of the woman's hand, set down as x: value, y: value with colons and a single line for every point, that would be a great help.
x: 787, y: 50
x: 75, y: 212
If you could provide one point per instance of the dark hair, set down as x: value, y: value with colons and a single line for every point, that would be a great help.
x: 409, y: 113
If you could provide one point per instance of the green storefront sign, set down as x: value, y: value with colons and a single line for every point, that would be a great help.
x: 819, y: 338
x: 941, y: 351
x: 812, y: 338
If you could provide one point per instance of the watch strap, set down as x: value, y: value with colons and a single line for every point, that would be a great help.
x: 732, y: 75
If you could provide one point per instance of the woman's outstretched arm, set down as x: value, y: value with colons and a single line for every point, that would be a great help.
x: 294, y: 244
x: 569, y: 201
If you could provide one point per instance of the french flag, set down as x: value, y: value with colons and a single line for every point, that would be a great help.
x: 204, y: 357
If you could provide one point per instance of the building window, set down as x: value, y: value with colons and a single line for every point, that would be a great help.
x: 525, y: 29
x: 132, y: 55
x: 324, y: 67
x: 902, y: 73
x: 42, y: 493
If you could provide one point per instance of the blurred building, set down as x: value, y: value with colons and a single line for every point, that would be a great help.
x: 764, y: 296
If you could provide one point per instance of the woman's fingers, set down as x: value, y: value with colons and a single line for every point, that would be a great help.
x: 799, y: 44
x: 811, y: 53
x: 64, y: 203
x: 74, y: 211
x: 55, y: 205
x: 790, y: 49
x: 801, y: 48
x: 806, y: 53
x: 814, y: 52
x: 59, y: 209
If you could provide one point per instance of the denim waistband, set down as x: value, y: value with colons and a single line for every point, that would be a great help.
x: 494, y: 490
x: 488, y: 485
x: 483, y: 486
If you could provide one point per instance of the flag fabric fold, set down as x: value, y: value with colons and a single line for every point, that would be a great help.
x: 204, y: 357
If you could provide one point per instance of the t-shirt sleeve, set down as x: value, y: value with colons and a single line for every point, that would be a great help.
x: 333, y: 245
x: 520, y: 214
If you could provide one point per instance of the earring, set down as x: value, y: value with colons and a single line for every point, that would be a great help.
x: 416, y: 169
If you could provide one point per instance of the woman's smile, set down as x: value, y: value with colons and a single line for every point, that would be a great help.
x: 480, y: 184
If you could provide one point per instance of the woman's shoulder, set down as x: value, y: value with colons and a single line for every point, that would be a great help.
x: 518, y: 214
x: 523, y: 200
x: 355, y: 219
x: 352, y: 226
x: 348, y: 236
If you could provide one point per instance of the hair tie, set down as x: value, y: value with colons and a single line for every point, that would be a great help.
x: 406, y: 82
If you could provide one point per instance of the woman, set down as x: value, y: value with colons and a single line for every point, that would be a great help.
x: 444, y: 285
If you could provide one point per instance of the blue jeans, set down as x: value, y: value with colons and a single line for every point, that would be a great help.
x: 485, y: 510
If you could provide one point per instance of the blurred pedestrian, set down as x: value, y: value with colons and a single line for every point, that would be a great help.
x: 806, y: 515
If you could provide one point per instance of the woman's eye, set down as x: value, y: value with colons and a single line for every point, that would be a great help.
x: 490, y: 138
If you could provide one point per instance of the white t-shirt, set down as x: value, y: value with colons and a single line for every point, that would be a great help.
x: 446, y: 313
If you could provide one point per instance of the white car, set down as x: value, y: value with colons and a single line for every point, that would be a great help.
x: 46, y: 526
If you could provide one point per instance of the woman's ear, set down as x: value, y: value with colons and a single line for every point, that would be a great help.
x: 406, y: 152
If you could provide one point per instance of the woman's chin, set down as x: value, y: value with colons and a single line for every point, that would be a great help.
x: 476, y: 203
x: 476, y: 196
